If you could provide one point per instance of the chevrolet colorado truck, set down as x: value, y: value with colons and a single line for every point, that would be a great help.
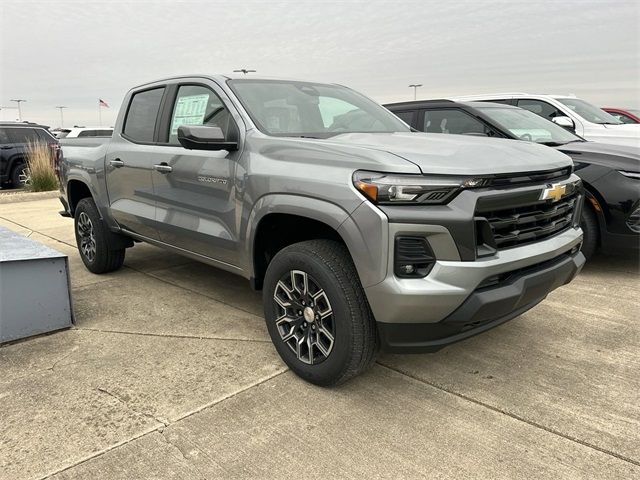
x: 362, y: 234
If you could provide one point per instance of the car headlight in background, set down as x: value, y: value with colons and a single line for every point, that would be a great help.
x: 391, y: 188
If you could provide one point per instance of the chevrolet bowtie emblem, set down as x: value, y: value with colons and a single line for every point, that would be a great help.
x: 554, y: 192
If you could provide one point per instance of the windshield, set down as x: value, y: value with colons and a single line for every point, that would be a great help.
x: 526, y: 125
x: 303, y: 109
x: 589, y: 112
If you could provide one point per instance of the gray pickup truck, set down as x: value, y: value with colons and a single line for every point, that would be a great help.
x: 362, y: 234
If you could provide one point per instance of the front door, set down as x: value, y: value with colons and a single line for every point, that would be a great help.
x: 195, y: 189
x: 129, y: 162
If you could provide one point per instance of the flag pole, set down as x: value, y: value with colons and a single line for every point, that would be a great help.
x: 99, y: 114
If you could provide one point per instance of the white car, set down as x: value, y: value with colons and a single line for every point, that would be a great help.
x: 574, y: 114
x: 77, y: 132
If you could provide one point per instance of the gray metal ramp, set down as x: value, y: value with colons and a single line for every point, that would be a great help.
x: 34, y: 288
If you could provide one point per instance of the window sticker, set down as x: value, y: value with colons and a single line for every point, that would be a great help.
x: 189, y: 110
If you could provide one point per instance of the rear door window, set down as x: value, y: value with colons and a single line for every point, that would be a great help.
x: 544, y: 109
x: 452, y: 120
x: 140, y: 122
x: 22, y: 135
x: 87, y: 133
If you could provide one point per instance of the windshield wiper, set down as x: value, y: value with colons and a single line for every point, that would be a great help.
x: 553, y: 144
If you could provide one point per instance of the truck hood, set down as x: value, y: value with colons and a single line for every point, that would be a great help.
x: 436, y: 153
x: 618, y: 157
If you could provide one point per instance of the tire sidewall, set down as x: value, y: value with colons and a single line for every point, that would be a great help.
x: 589, y: 226
x: 88, y: 207
x: 340, y: 356
x: 15, y: 175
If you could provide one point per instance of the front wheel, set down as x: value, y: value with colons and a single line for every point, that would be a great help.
x: 317, y: 314
x: 591, y: 232
x: 93, y: 240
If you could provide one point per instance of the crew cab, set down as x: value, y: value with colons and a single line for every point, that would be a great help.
x: 360, y: 233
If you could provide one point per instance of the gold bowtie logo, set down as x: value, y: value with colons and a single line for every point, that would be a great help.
x: 554, y: 192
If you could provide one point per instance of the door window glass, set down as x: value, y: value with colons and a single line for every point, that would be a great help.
x: 406, y: 117
x: 198, y: 105
x: 453, y: 121
x: 22, y: 135
x: 141, y: 118
x: 87, y: 133
x: 544, y: 109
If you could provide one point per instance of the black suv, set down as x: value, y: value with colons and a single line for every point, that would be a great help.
x: 610, y: 173
x: 14, y: 140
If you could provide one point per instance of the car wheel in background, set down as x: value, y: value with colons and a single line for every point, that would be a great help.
x: 591, y: 231
x: 93, y: 239
x: 317, y: 314
x: 20, y: 175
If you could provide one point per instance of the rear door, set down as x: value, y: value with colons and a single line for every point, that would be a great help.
x: 197, y: 199
x: 19, y: 140
x: 129, y: 162
x: 6, y: 152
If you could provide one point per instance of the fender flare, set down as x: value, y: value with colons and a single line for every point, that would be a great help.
x: 325, y: 212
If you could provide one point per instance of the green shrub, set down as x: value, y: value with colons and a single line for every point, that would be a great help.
x: 42, y: 174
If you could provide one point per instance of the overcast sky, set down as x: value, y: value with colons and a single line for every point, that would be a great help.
x: 73, y: 52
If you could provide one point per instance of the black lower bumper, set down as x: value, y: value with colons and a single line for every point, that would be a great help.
x: 484, y: 309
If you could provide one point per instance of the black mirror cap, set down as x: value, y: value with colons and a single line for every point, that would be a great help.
x: 204, y: 137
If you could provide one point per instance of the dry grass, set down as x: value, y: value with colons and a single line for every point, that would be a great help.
x: 42, y: 174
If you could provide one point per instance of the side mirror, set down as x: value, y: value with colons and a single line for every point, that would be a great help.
x: 204, y: 137
x: 564, y: 122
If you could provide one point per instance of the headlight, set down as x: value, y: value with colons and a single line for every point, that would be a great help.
x: 391, y: 188
x: 635, y: 175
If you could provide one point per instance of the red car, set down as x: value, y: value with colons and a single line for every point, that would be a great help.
x: 629, y: 115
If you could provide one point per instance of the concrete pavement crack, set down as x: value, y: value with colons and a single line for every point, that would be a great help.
x: 170, y: 335
x: 126, y: 404
x: 184, y: 455
x: 513, y: 416
x: 163, y: 425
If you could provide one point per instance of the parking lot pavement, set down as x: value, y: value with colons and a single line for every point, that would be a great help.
x: 169, y: 373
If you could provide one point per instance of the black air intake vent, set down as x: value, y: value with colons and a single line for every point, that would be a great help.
x: 413, y: 257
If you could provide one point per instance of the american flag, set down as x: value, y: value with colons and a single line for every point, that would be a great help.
x: 102, y: 103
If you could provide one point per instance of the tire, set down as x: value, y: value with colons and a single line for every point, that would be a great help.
x: 332, y: 286
x: 20, y: 175
x: 93, y: 239
x: 591, y: 231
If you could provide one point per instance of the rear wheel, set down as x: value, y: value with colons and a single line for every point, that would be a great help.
x: 317, y: 313
x: 591, y: 231
x: 93, y: 239
x: 20, y: 175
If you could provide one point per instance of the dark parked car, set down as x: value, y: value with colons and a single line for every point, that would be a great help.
x: 610, y: 173
x: 628, y: 115
x: 14, y: 140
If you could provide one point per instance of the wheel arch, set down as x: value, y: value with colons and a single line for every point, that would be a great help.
x: 302, y: 218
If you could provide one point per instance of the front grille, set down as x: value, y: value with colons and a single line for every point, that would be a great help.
x: 517, y: 225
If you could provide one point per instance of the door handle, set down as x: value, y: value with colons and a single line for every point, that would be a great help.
x: 6, y: 147
x: 163, y: 168
x: 116, y: 162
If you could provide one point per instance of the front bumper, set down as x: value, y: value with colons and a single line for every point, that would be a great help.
x: 485, y: 308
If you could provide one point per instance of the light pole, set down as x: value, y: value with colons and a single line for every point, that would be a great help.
x: 415, y: 89
x: 19, y: 101
x: 244, y: 70
x: 61, y: 116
